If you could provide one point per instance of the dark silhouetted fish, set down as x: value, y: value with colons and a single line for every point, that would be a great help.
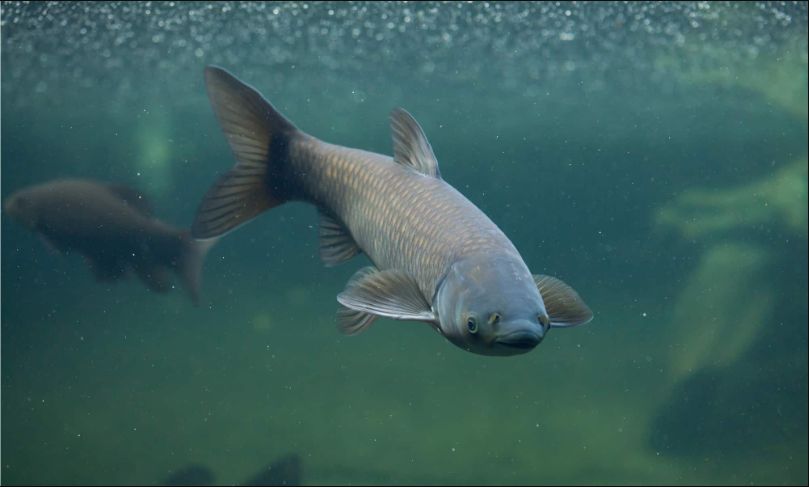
x: 437, y: 258
x: 113, y: 228
x: 285, y: 472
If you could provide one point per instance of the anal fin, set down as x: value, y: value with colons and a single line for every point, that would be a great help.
x: 336, y: 243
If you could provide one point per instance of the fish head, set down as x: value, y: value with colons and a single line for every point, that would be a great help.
x: 489, y: 304
x: 21, y: 207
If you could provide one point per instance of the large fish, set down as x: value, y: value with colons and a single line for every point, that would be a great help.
x: 437, y: 258
x: 113, y: 228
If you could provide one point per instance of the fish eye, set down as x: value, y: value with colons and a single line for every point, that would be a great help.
x: 543, y: 319
x: 494, y: 318
x: 472, y: 324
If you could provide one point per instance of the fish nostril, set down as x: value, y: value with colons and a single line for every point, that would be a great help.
x: 544, y: 323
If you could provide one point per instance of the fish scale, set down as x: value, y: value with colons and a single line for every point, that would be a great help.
x: 437, y: 257
x: 423, y: 246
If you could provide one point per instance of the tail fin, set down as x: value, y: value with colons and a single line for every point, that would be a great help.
x: 259, y: 137
x: 190, y: 264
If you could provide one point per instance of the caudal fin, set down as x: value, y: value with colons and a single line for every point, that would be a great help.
x: 259, y: 137
x: 190, y: 264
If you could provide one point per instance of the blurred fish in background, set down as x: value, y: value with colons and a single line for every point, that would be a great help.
x: 112, y: 227
x: 288, y: 471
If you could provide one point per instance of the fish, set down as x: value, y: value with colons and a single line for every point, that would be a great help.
x: 112, y: 226
x: 287, y: 471
x: 436, y: 257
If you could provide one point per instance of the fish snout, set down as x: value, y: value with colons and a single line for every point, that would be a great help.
x: 524, y: 336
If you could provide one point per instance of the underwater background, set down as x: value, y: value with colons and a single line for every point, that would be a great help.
x: 653, y: 156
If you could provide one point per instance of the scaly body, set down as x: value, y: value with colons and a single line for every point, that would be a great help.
x: 437, y: 258
x: 400, y: 218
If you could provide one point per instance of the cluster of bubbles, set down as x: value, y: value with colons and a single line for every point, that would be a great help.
x: 84, y: 44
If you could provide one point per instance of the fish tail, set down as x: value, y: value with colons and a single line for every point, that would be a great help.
x: 260, y: 138
x: 190, y: 263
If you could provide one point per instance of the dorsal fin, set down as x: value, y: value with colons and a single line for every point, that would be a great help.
x: 410, y: 146
x: 132, y: 197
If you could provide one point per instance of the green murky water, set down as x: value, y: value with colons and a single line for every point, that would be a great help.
x: 652, y: 156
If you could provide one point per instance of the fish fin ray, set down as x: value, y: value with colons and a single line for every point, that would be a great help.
x: 410, y: 146
x: 391, y: 293
x: 190, y: 264
x: 336, y: 243
x: 565, y: 307
x: 224, y: 210
x: 259, y: 137
x: 350, y: 321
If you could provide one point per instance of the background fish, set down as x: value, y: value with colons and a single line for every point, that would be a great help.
x: 112, y: 227
x: 437, y: 258
x: 287, y: 471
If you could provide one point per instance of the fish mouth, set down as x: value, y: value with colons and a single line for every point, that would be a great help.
x: 524, y: 340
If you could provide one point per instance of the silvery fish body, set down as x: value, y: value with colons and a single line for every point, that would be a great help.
x: 437, y: 258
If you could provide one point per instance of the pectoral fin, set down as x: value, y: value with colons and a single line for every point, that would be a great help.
x: 564, y: 305
x: 391, y: 293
